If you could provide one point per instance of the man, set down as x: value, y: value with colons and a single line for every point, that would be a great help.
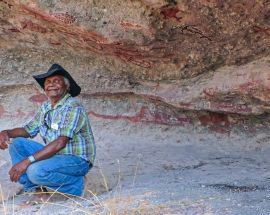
x: 63, y: 124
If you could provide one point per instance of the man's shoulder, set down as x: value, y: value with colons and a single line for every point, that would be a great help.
x: 45, y: 105
x: 73, y: 102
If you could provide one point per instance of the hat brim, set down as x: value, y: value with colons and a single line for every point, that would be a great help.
x: 74, y: 89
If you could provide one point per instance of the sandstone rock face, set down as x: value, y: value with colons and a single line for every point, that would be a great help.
x: 197, y: 63
x: 155, y: 61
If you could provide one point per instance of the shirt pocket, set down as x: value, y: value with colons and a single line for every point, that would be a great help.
x: 56, y: 122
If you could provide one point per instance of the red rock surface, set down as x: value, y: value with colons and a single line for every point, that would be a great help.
x: 173, y: 63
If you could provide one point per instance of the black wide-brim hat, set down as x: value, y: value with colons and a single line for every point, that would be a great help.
x: 56, y: 69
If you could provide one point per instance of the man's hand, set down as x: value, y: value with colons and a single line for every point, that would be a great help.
x: 17, y: 170
x: 4, y: 140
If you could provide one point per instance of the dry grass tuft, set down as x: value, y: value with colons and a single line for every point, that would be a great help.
x: 114, y: 203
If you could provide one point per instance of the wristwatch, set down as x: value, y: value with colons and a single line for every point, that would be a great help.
x: 32, y: 159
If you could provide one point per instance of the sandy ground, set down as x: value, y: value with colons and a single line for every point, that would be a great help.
x: 156, y: 169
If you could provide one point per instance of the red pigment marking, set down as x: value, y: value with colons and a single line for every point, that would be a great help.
x: 249, y: 85
x: 145, y: 115
x: 38, y: 13
x: 258, y: 29
x: 144, y: 56
x: 135, y: 118
x: 65, y: 31
x: 215, y: 119
x: 64, y: 17
x: 126, y: 24
x: 33, y: 27
x: 2, y: 111
x: 14, y: 30
x: 170, y: 13
x: 209, y: 92
x: 216, y: 122
x: 57, y: 43
x: 141, y: 63
x: 165, y: 118
x: 130, y: 59
x: 39, y: 98
x: 231, y: 107
x: 90, y: 39
x: 148, y: 30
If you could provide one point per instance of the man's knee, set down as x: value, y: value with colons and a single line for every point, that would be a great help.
x: 17, y: 143
x: 35, y: 174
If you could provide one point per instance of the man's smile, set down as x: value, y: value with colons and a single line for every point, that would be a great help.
x: 52, y: 89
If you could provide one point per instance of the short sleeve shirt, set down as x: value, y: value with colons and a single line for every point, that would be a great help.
x: 67, y: 118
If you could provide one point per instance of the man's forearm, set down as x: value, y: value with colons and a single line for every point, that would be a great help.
x: 17, y: 132
x: 51, y: 149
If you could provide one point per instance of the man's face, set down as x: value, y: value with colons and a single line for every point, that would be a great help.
x: 55, y: 86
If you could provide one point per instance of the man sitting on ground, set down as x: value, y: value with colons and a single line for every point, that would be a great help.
x: 63, y: 124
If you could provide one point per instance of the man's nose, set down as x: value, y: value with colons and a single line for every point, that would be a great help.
x: 51, y: 84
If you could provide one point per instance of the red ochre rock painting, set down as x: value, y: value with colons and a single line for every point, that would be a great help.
x: 77, y: 37
x: 63, y: 27
x: 170, y: 12
x: 230, y: 107
x: 63, y: 17
x: 216, y: 122
x: 209, y: 92
x: 175, y: 52
x: 33, y: 27
x: 15, y: 30
x: 250, y: 85
x: 127, y: 24
x: 145, y: 115
x: 39, y: 98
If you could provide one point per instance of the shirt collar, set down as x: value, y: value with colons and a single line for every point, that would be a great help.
x: 60, y: 102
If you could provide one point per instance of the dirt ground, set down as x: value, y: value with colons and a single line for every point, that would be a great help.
x: 154, y: 169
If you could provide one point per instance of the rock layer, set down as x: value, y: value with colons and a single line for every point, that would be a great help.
x: 185, y: 53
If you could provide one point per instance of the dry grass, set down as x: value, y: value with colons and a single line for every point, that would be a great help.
x: 115, y: 203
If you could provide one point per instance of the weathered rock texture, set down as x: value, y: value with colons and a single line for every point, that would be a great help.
x: 152, y: 58
x: 179, y: 63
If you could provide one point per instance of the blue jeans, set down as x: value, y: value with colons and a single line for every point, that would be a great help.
x: 64, y: 173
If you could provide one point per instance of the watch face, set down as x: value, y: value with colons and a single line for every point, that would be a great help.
x: 31, y: 159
